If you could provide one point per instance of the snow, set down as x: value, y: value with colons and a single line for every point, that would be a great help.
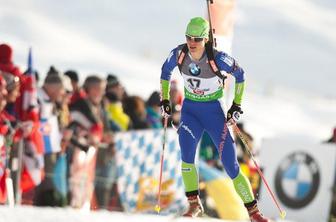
x: 35, y: 214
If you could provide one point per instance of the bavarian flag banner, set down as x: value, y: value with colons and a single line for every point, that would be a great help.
x: 138, y: 156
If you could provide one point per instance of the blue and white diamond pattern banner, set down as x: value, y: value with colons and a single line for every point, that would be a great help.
x: 138, y: 156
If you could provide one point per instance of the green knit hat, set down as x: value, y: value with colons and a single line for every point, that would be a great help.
x: 198, y: 27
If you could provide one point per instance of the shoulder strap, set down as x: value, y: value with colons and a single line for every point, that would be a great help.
x: 212, y: 62
x: 182, y: 55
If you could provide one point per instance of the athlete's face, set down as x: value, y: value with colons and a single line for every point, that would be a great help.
x: 196, y: 45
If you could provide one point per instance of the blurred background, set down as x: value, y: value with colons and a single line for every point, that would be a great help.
x: 287, y: 49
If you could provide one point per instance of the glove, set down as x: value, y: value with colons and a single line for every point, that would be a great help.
x: 234, y: 112
x: 165, y: 108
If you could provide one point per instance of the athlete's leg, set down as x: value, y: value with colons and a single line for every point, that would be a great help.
x: 223, y: 140
x: 221, y: 136
x: 190, y: 131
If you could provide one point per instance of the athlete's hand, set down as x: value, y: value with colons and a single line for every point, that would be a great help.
x: 234, y: 112
x: 165, y: 108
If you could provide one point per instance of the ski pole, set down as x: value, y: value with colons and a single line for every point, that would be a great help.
x: 158, y: 206
x: 247, y: 148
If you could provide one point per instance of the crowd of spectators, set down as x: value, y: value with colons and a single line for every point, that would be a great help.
x: 53, y: 121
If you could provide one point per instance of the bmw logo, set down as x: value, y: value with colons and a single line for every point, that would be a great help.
x: 194, y: 69
x: 297, y: 180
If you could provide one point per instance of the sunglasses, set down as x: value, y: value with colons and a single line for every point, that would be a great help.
x: 195, y: 39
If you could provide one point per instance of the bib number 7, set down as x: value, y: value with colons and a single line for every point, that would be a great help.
x: 195, y: 83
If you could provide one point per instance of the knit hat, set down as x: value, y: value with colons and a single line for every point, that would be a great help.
x: 112, y: 80
x: 53, y: 71
x: 73, y: 75
x: 6, y: 53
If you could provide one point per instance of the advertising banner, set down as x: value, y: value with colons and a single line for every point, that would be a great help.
x: 301, y: 174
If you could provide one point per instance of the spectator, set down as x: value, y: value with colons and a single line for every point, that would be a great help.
x: 64, y: 101
x: 87, y: 112
x: 135, y: 108
x: 3, y: 92
x: 115, y: 93
x: 7, y: 66
x: 6, y: 60
x: 77, y: 91
x: 53, y: 71
x: 153, y: 111
x: 9, y: 114
x: 87, y: 124
x: 106, y: 174
x: 13, y: 89
x: 52, y: 89
x: 3, y: 133
x: 115, y: 87
x: 36, y: 75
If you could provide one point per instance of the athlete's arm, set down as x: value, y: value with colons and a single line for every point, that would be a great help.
x: 228, y: 64
x: 166, y: 72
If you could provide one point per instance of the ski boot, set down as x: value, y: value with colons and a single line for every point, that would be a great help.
x: 195, y: 207
x: 254, y: 213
